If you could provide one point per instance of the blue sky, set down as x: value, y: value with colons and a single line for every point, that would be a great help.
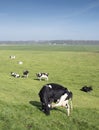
x: 49, y: 20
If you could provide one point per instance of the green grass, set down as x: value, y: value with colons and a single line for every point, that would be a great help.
x: 71, y: 66
x: 42, y: 47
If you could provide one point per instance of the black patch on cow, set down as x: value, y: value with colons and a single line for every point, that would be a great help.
x: 70, y: 95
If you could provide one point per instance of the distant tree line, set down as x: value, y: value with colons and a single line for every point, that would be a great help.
x: 52, y: 42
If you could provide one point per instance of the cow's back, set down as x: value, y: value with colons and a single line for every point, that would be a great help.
x: 52, y: 90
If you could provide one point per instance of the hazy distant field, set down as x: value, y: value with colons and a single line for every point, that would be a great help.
x: 71, y: 66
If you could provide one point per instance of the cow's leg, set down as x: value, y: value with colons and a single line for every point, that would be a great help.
x: 47, y: 78
x: 46, y: 108
x: 43, y: 107
x: 67, y: 107
x: 39, y: 78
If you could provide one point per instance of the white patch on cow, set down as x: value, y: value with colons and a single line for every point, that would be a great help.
x: 49, y: 105
x: 49, y: 86
x: 63, y: 102
x: 44, y: 77
x: 58, y: 101
x: 17, y: 75
x: 12, y: 73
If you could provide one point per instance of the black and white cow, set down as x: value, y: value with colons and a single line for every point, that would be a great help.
x: 54, y: 95
x: 86, y: 89
x: 41, y: 76
x: 12, y: 57
x: 25, y: 74
x: 16, y: 75
x: 20, y: 62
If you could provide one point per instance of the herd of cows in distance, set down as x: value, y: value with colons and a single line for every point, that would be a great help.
x: 52, y: 95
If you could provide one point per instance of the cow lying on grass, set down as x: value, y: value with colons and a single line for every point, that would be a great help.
x: 86, y: 89
x: 57, y: 94
x: 12, y: 57
x: 16, y: 75
x: 42, y: 76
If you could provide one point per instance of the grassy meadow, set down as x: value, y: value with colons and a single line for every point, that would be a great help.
x: 70, y: 66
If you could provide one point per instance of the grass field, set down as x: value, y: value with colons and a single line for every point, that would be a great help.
x: 70, y: 66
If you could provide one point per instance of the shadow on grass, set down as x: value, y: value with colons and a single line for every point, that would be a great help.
x: 36, y: 79
x: 40, y: 80
x: 38, y: 106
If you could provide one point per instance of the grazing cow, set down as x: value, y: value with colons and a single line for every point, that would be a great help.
x: 57, y: 94
x: 12, y: 57
x: 15, y: 75
x: 26, y: 73
x: 86, y: 89
x: 20, y: 62
x: 41, y: 76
